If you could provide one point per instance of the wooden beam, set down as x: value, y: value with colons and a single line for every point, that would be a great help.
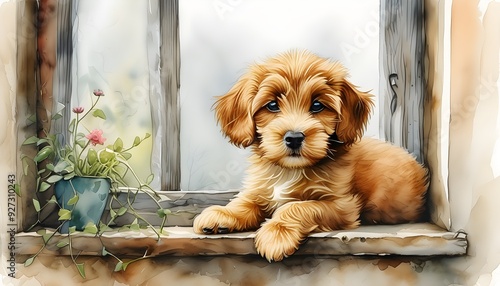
x: 64, y: 61
x: 406, y: 239
x: 169, y: 108
x: 402, y: 88
x: 26, y: 104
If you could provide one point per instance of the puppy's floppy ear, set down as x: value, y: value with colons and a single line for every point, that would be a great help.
x: 234, y: 110
x: 356, y: 108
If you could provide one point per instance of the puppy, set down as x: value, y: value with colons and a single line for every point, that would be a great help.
x: 310, y: 170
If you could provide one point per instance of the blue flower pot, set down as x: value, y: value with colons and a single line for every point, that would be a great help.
x: 92, y: 195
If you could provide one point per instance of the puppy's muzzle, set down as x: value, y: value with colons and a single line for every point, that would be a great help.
x: 293, y: 139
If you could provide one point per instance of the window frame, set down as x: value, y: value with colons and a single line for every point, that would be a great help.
x: 186, y: 204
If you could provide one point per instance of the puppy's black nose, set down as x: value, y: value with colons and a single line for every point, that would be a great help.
x: 293, y: 140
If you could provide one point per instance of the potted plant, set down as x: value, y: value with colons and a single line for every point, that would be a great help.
x: 86, y: 176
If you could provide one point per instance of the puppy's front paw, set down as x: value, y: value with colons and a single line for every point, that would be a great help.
x: 213, y: 220
x: 275, y: 241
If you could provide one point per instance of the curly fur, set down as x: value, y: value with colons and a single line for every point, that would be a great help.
x: 336, y: 180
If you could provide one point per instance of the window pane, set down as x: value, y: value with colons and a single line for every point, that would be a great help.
x: 220, y: 38
x: 110, y: 53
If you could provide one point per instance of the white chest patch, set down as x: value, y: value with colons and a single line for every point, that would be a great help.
x: 280, y: 191
x: 284, y: 187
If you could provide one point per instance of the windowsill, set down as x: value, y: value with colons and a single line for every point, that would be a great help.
x: 422, y: 239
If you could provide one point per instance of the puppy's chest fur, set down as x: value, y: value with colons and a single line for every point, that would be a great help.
x: 286, y: 188
x: 277, y: 186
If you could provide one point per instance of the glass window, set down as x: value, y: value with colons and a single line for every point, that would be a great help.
x: 219, y: 39
x: 111, y: 53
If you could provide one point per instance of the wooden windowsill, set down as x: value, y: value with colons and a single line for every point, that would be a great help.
x: 422, y: 239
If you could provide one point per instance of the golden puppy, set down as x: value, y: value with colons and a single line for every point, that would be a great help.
x: 310, y: 170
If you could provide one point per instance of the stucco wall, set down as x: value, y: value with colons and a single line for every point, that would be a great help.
x: 474, y: 189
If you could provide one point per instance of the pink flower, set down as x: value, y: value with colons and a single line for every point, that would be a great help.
x: 95, y: 137
x: 98, y: 92
x: 78, y: 109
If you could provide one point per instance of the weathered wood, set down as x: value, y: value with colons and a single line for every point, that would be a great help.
x: 169, y: 120
x: 437, y: 108
x: 46, y: 45
x: 402, y: 50
x: 64, y: 54
x: 185, y: 205
x: 26, y: 103
x: 408, y: 239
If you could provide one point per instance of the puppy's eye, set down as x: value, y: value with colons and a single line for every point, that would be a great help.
x: 273, y: 106
x: 316, y: 107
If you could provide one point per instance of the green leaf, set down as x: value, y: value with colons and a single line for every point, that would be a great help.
x: 121, y: 211
x: 36, y: 204
x: 29, y: 261
x: 31, y: 119
x: 63, y: 242
x: 99, y: 113
x: 149, y: 179
x: 135, y: 225
x: 118, y: 146
x: 57, y: 116
x: 25, y: 169
x: 30, y: 140
x: 46, y: 237
x: 147, y: 136
x: 43, y: 187
x: 125, y: 265
x: 51, y: 137
x: 91, y: 156
x: 17, y: 189
x: 50, y: 167
x: 69, y: 176
x: 81, y: 143
x: 119, y: 266
x: 104, y: 251
x: 163, y: 212
x: 71, y: 126
x: 126, y: 155
x: 120, y: 170
x: 54, y: 178
x: 59, y: 167
x: 68, y: 169
x: 104, y: 228
x: 64, y: 214
x: 41, y: 141
x: 73, y: 200
x: 52, y: 199
x: 25, y: 166
x: 105, y: 156
x: 90, y: 228
x: 41, y: 231
x: 72, y: 229
x: 43, y: 154
x: 81, y: 269
x: 137, y: 141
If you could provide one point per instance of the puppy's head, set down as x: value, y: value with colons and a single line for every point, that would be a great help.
x: 291, y: 107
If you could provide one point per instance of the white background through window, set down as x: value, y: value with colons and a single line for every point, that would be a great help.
x: 220, y: 38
